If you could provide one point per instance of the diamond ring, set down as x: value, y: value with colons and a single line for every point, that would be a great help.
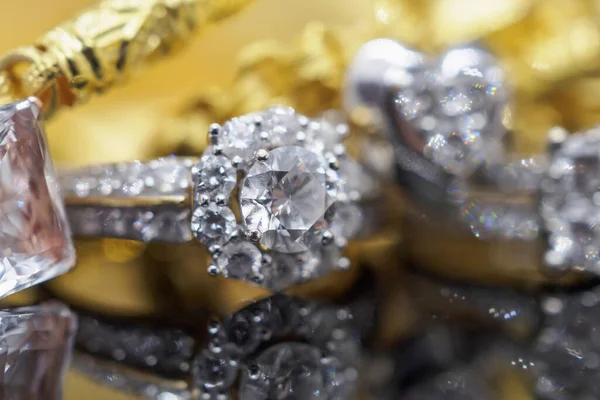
x: 274, y: 198
x: 448, y: 122
x: 260, y: 349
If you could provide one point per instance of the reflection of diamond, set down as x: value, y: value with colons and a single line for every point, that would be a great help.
x: 35, y: 242
x: 35, y: 350
x: 214, y: 371
x: 288, y: 371
x: 570, y: 205
x: 286, y: 197
x: 241, y: 260
x: 287, y: 269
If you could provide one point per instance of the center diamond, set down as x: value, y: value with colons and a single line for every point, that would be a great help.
x: 286, y: 197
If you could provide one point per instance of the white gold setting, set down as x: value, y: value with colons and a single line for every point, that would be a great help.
x: 294, y: 196
x: 448, y: 121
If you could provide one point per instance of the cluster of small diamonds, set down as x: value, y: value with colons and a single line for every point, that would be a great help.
x: 218, y: 174
x: 570, y: 203
x: 233, y: 342
x: 456, y: 104
x: 168, y: 352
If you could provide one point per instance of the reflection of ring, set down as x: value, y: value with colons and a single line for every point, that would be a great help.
x: 297, y: 198
x: 448, y: 122
x: 35, y: 240
x: 266, y: 344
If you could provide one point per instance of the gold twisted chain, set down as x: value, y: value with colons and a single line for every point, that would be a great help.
x: 102, y: 47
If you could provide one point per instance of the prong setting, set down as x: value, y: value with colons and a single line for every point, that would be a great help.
x: 262, y: 155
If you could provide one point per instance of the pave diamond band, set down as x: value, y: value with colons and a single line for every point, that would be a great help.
x: 141, y: 201
x: 275, y: 198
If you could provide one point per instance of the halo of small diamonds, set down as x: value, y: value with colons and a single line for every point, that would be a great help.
x: 292, y: 174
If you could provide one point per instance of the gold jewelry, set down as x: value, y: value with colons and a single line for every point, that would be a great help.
x: 89, y: 54
x: 102, y: 47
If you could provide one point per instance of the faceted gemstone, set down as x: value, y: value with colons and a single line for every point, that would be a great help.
x: 213, y: 224
x: 240, y: 260
x: 216, y: 175
x: 35, y: 240
x: 35, y: 351
x: 281, y: 125
x: 288, y: 371
x: 286, y: 198
x: 214, y: 371
x: 570, y: 204
x: 240, y: 137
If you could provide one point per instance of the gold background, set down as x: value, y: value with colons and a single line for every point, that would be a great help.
x: 122, y: 124
x: 550, y: 49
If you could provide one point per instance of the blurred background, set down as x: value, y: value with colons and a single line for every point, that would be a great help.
x: 295, y: 52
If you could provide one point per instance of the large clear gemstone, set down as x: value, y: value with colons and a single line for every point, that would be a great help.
x: 35, y: 240
x: 35, y: 350
x: 286, y: 198
x: 288, y: 371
